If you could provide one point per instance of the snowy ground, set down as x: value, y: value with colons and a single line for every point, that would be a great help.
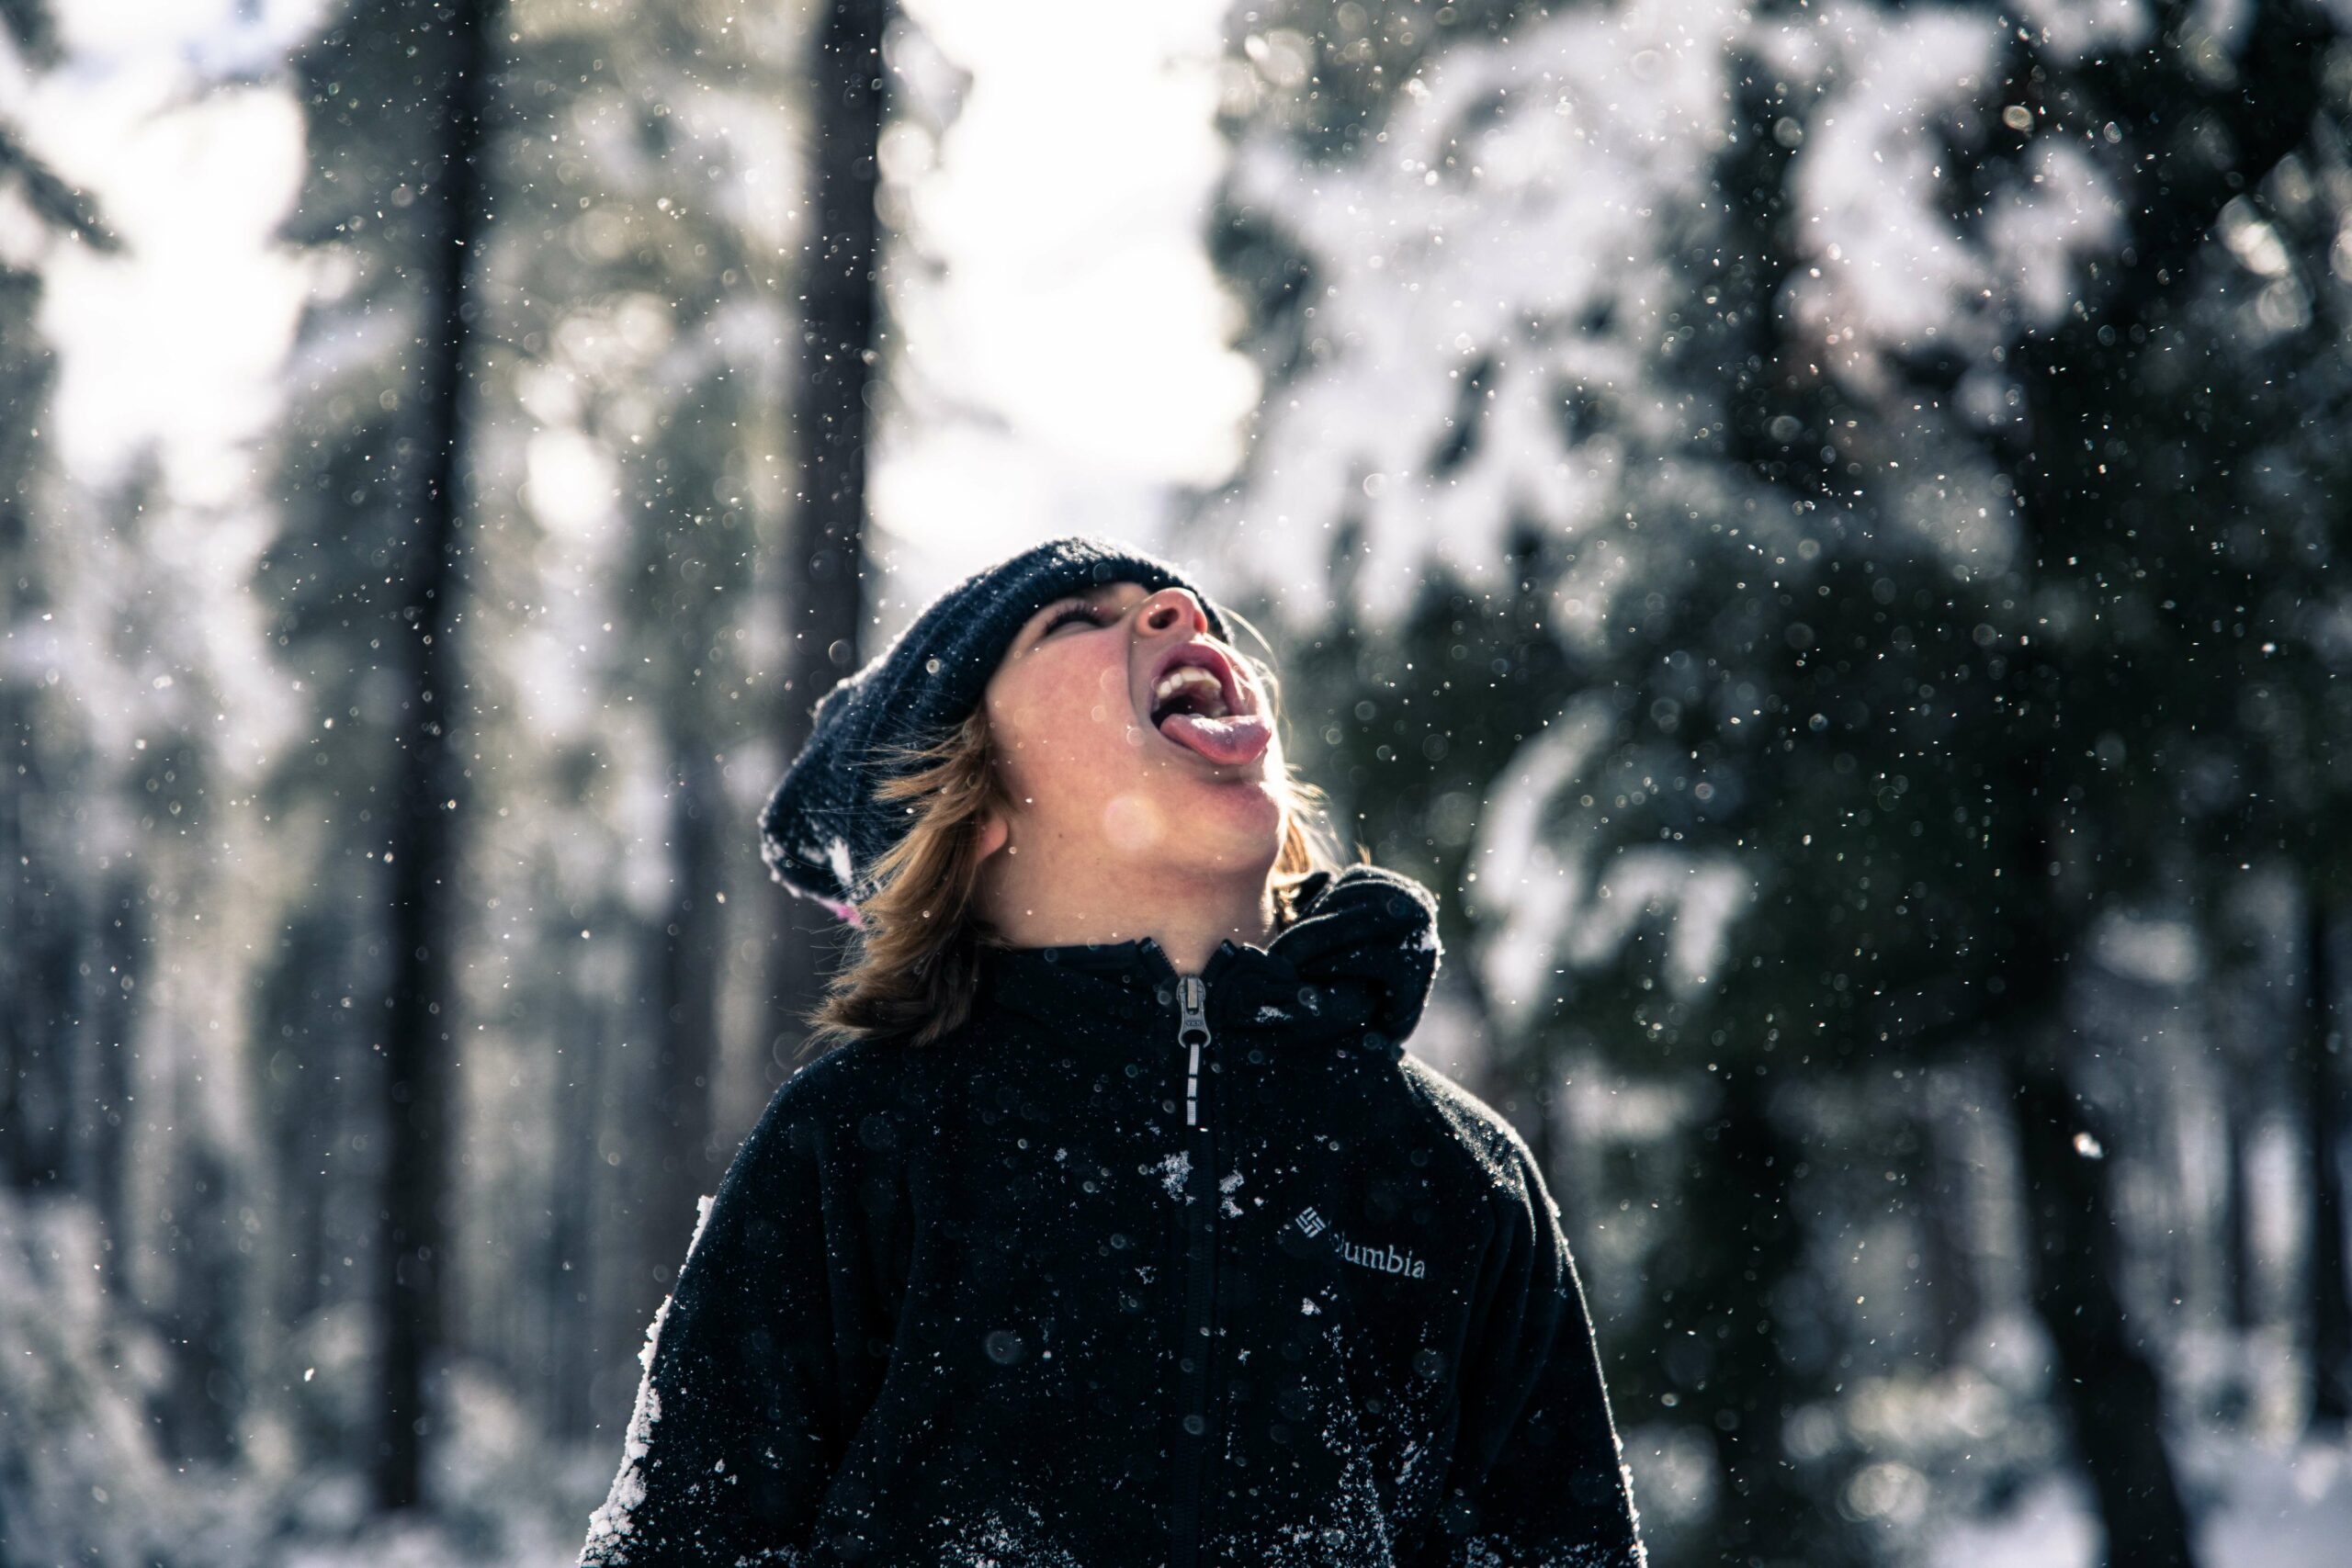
x: 2263, y: 1507
x: 2270, y: 1508
x: 2275, y: 1508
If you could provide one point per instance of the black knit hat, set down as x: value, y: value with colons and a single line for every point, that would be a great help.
x: 823, y: 829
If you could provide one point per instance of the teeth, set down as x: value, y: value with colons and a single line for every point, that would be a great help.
x: 1190, y: 676
x: 1182, y: 676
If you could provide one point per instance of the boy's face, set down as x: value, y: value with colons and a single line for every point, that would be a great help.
x: 1093, y: 780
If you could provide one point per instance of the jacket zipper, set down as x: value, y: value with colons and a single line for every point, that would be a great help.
x: 1193, y: 1032
x: 1193, y: 1029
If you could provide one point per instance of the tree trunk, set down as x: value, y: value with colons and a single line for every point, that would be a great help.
x: 1948, y: 1220
x: 37, y: 965
x: 1745, y: 1178
x: 824, y: 540
x: 2107, y: 1384
x: 2331, y: 1368
x: 687, y: 1058
x: 576, y: 1112
x: 207, y: 1388
x: 421, y: 1021
x: 113, y: 1017
x: 40, y: 931
x: 2239, y: 1264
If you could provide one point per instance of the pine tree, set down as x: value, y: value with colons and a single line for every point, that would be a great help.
x: 1745, y: 385
x: 407, y: 90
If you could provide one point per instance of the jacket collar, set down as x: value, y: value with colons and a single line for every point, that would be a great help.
x: 1355, y: 967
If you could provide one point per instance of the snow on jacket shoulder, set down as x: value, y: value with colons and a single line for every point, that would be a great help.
x: 1134, y: 1269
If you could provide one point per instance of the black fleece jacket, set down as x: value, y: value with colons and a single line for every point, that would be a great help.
x: 1135, y: 1269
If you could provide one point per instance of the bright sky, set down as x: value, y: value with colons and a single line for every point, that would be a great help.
x: 1070, y: 371
x: 1067, y: 371
x: 177, y: 339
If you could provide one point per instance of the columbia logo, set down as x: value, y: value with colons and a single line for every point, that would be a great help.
x: 1386, y: 1260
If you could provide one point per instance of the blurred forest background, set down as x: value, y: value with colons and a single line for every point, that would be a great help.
x: 1813, y: 524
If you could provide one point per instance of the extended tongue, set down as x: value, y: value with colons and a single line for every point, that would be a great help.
x: 1241, y: 737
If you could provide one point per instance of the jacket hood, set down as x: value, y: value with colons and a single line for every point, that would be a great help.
x: 1354, y: 966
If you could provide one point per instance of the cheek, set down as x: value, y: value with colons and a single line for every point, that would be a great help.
x: 1069, y: 734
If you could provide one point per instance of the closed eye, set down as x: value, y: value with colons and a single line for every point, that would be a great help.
x: 1091, y: 614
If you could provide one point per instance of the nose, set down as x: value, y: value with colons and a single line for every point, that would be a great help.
x: 1172, y: 608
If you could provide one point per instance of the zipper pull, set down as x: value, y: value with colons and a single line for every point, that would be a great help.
x: 1193, y: 1029
x: 1193, y: 996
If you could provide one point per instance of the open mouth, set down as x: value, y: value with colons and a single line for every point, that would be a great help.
x: 1198, y: 702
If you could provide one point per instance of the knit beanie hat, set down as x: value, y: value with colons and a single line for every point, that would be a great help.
x: 824, y: 830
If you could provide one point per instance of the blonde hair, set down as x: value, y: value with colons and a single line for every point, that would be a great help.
x: 914, y: 967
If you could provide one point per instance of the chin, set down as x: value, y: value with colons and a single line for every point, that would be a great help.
x: 1200, y: 822
x: 1231, y: 825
